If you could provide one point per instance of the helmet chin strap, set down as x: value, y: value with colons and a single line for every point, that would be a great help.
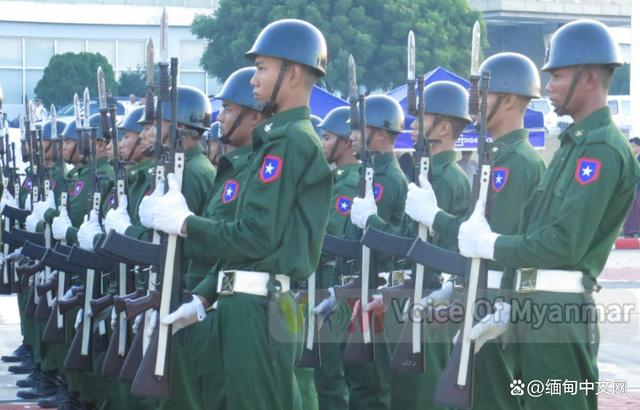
x: 270, y: 107
x: 226, y: 137
x: 332, y: 153
x: 493, y: 112
x: 563, y: 110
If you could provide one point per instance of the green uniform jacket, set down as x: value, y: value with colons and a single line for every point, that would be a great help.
x: 140, y: 182
x: 574, y: 215
x: 222, y: 206
x: 345, y: 187
x: 283, y: 208
x: 57, y: 177
x: 25, y: 187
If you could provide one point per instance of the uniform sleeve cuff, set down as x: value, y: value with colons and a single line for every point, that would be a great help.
x: 72, y: 235
x: 208, y: 287
x: 375, y: 221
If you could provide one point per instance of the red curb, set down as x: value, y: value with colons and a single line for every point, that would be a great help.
x: 627, y: 243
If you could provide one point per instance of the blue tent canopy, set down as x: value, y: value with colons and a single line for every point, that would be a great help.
x: 533, y: 120
x: 322, y: 101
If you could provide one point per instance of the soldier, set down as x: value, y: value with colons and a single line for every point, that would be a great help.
x: 592, y: 177
x: 369, y: 382
x: 214, y: 147
x: 331, y: 384
x: 517, y: 169
x: 446, y: 114
x: 277, y: 234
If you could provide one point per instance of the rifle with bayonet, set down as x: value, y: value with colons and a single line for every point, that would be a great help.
x: 360, y: 347
x: 153, y: 376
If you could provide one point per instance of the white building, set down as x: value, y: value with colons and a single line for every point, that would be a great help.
x: 31, y: 32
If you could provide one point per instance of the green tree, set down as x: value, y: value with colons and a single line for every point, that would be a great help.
x: 133, y: 82
x: 621, y: 81
x: 374, y: 31
x: 70, y: 73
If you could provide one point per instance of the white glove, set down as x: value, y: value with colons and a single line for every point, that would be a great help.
x: 137, y: 322
x: 40, y: 208
x: 151, y: 325
x: 375, y: 305
x: 7, y: 199
x: 362, y: 209
x: 421, y: 204
x: 61, y: 224
x: 88, y: 230
x: 27, y: 202
x: 491, y: 326
x: 114, y: 319
x: 78, y: 319
x: 170, y: 210
x: 118, y: 219
x: 326, y: 306
x: 475, y: 238
x: 31, y: 223
x: 187, y: 314
x: 68, y: 294
x: 438, y: 297
x: 146, y: 205
x: 50, y: 275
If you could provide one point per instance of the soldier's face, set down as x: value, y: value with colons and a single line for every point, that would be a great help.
x: 48, y: 153
x: 428, y: 122
x: 559, y: 84
x: 329, y: 141
x: 263, y: 81
x: 148, y: 136
x: 68, y: 149
x: 127, y: 145
x: 110, y: 151
x: 227, y: 118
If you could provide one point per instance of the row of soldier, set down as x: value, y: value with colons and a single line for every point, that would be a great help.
x: 251, y: 253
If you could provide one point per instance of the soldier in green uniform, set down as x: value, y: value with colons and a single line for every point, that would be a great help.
x: 196, y: 386
x: 369, y: 382
x: 517, y: 169
x: 278, y: 229
x: 446, y: 114
x: 556, y: 255
x: 330, y: 380
x: 215, y: 148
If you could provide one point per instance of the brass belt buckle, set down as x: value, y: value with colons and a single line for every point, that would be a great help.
x: 397, y: 277
x: 228, y: 283
x: 346, y: 279
x: 528, y: 277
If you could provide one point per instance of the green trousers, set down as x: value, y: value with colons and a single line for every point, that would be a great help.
x: 563, y: 346
x: 257, y: 338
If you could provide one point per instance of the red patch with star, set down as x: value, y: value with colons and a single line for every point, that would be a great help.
x: 500, y: 178
x: 378, y: 190
x: 230, y: 191
x: 343, y: 205
x: 587, y: 170
x: 271, y: 168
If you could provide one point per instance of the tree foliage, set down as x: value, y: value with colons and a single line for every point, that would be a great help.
x: 70, y: 73
x: 621, y: 81
x: 133, y: 82
x: 374, y: 31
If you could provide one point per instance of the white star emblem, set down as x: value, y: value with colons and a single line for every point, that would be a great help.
x: 586, y: 171
x: 268, y: 168
x: 344, y: 205
x: 498, y: 179
x: 267, y: 127
x: 339, y: 172
x: 229, y: 192
x: 579, y: 133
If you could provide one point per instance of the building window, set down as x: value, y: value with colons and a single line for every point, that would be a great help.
x: 190, y: 53
x: 131, y: 54
x: 11, y: 55
x: 105, y: 47
x: 213, y: 86
x: 31, y: 80
x: 38, y: 52
x: 65, y: 45
x: 13, y: 93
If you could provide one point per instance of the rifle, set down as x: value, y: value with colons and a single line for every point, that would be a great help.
x: 360, y: 347
x: 153, y: 376
x: 5, y: 283
x: 455, y: 387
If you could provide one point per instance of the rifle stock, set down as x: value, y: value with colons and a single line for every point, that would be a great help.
x: 52, y: 333
x: 74, y: 301
x: 101, y: 304
x: 135, y: 307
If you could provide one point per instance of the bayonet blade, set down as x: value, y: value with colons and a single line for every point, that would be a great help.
x: 23, y: 131
x: 32, y: 113
x: 164, y: 32
x: 85, y: 108
x: 353, y: 83
x: 54, y: 119
x: 475, y: 50
x: 150, y: 62
x: 76, y: 110
x: 411, y: 56
x: 102, y: 89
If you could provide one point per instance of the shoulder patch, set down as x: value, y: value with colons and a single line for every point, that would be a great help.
x: 271, y: 168
x: 587, y: 170
x: 77, y: 188
x: 230, y: 191
x: 27, y: 184
x: 111, y: 201
x: 52, y: 185
x: 378, y: 190
x: 343, y: 205
x: 500, y: 178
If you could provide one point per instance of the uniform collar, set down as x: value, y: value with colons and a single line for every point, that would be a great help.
x: 270, y: 128
x: 345, y: 170
x: 193, y: 152
x: 102, y: 161
x: 381, y: 159
x: 237, y: 158
x: 577, y: 132
x: 440, y: 160
x: 508, y: 142
x: 141, y: 166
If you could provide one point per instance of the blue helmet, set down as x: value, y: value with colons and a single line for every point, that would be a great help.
x: 382, y: 111
x: 512, y: 73
x: 447, y: 98
x: 130, y: 123
x: 194, y: 108
x: 70, y: 131
x: 46, y: 130
x: 238, y: 89
x: 336, y: 122
x: 95, y: 121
